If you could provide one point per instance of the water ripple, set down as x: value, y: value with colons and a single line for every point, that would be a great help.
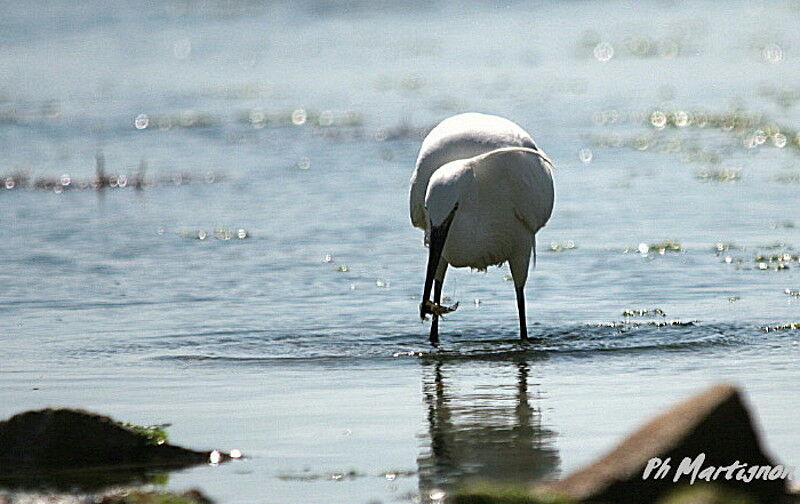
x: 262, y: 347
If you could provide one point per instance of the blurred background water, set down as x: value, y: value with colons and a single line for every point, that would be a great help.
x: 251, y: 276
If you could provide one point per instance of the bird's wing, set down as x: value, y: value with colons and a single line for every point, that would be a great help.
x: 459, y: 137
x: 523, y: 176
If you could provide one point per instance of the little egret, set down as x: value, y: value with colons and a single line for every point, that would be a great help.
x: 481, y: 190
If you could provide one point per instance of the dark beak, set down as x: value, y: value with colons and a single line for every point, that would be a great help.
x: 437, y: 240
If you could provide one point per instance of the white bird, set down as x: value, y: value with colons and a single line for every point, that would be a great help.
x: 481, y: 190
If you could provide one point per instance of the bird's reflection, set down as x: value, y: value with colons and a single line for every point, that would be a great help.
x: 481, y: 426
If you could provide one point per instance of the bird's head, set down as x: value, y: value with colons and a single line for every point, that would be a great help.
x: 446, y: 188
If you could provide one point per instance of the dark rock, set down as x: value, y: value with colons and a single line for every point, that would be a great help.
x: 117, y: 496
x: 193, y: 496
x: 716, y: 423
x: 58, y: 447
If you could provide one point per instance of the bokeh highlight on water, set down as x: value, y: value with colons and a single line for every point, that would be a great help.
x: 299, y: 342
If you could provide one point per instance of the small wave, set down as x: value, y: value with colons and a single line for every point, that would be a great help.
x: 265, y: 347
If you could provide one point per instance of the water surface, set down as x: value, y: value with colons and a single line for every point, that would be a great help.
x: 300, y: 343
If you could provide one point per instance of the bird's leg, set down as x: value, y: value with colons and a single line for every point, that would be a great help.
x: 523, y: 326
x: 438, y: 282
x: 437, y: 298
x: 519, y: 265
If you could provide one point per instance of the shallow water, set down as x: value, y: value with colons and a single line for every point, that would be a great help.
x: 111, y: 302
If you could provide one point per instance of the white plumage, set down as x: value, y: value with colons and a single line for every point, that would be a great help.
x: 481, y: 190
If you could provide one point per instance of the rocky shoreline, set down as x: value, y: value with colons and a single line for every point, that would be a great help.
x: 706, y: 449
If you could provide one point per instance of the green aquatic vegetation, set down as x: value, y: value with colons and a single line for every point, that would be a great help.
x: 350, y: 475
x: 664, y: 143
x: 705, y: 494
x: 732, y: 120
x: 102, y: 181
x: 259, y: 118
x: 681, y: 131
x: 789, y: 326
x: 410, y: 353
x: 733, y: 260
x: 154, y: 434
x: 763, y: 266
x: 222, y: 234
x: 300, y: 477
x: 666, y: 246
x: 489, y: 493
x: 696, y: 154
x: 641, y: 323
x: 776, y: 262
x: 665, y: 323
x: 648, y: 312
x: 185, y: 119
x: 783, y: 257
x: 719, y: 175
x: 226, y: 234
x: 765, y: 261
x: 342, y: 268
x: 393, y: 475
x: 143, y: 497
x: 115, y: 496
x: 643, y: 142
x: 659, y: 247
x: 308, y: 475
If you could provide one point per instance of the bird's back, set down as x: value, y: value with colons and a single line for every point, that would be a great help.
x: 504, y: 197
x: 460, y: 137
x: 519, y: 179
